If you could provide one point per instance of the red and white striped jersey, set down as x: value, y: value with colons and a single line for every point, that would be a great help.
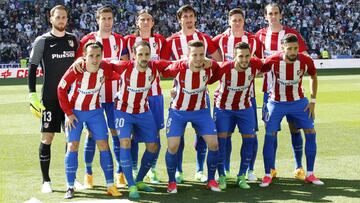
x: 287, y: 83
x: 226, y: 43
x: 176, y: 46
x: 235, y: 87
x: 84, y: 94
x: 133, y: 93
x: 114, y: 48
x: 156, y: 43
x: 190, y: 86
x: 271, y: 43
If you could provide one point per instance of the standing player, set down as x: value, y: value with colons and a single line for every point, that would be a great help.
x: 270, y: 39
x: 114, y: 48
x: 191, y: 78
x: 55, y: 52
x: 287, y: 98
x: 82, y: 106
x: 233, y: 107
x: 176, y: 48
x: 145, y: 24
x: 133, y: 115
x: 227, y: 42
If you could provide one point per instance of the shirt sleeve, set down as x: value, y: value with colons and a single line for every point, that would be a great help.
x: 171, y: 71
x: 80, y: 50
x: 216, y: 72
x: 64, y: 85
x: 37, y: 51
x: 311, y: 69
x: 211, y: 46
x: 166, y: 50
x: 267, y: 65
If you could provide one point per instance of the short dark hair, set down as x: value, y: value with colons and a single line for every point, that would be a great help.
x: 196, y: 43
x: 185, y: 8
x: 242, y: 45
x: 93, y: 44
x: 236, y: 11
x: 103, y: 9
x: 57, y: 7
x: 272, y: 5
x: 140, y: 43
x: 289, y: 38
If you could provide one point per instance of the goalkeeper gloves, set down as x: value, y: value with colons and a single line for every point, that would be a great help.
x: 36, y: 106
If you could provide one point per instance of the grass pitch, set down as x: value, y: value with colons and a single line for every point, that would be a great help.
x: 338, y: 154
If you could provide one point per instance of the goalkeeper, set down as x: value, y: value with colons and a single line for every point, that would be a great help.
x: 55, y: 52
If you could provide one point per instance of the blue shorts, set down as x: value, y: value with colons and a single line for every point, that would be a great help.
x: 293, y: 110
x: 156, y: 104
x: 141, y: 125
x: 95, y: 122
x: 254, y: 106
x: 109, y: 111
x: 207, y: 98
x: 265, y: 111
x: 226, y: 120
x: 200, y: 119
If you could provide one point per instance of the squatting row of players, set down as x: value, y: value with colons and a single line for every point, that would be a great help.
x: 121, y: 77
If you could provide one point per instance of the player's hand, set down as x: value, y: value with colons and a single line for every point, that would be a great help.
x: 36, y: 107
x: 172, y: 93
x: 207, y: 63
x: 70, y: 122
x: 78, y: 66
x: 311, y: 108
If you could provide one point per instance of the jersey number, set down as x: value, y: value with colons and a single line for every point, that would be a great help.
x: 119, y: 123
x: 47, y: 116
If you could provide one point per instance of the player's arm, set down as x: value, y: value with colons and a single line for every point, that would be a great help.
x: 216, y: 72
x: 36, y: 56
x: 313, y: 87
x: 171, y: 70
x: 213, y: 49
x: 119, y: 66
x: 267, y: 65
x: 166, y: 50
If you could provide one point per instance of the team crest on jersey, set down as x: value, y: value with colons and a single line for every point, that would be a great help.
x: 151, y: 78
x: 205, y: 78
x: 250, y: 77
x: 300, y: 72
x: 155, y: 45
x: 71, y: 43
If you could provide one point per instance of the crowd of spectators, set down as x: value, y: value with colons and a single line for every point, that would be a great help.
x: 331, y: 25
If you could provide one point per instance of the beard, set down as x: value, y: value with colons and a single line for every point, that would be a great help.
x: 291, y: 58
x: 60, y: 28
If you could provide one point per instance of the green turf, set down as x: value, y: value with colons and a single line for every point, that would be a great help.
x: 337, y: 164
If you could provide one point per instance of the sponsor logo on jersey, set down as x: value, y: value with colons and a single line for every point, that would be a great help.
x: 287, y: 82
x: 65, y: 54
x: 238, y: 88
x: 88, y: 91
x: 138, y: 89
x: 194, y: 91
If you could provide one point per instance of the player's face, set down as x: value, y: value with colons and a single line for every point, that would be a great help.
x: 242, y: 57
x: 236, y: 22
x: 105, y: 22
x: 142, y: 56
x: 291, y: 50
x: 197, y: 57
x: 273, y: 15
x: 93, y: 57
x: 188, y: 20
x: 59, y: 20
x: 145, y: 22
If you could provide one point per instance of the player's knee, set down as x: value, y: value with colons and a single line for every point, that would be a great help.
x: 173, y: 147
x: 248, y: 135
x: 125, y: 143
x: 223, y: 134
x: 103, y: 145
x: 310, y: 131
x: 152, y: 147
x: 47, y: 138
x: 213, y: 145
x: 292, y: 128
x: 73, y: 146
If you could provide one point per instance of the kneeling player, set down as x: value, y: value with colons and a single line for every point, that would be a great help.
x: 287, y: 99
x: 84, y: 107
x: 233, y: 107
x: 189, y: 105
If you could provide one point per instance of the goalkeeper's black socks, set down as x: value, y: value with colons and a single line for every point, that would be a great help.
x: 44, y: 156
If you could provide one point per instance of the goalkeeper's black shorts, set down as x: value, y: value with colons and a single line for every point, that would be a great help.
x: 53, y: 117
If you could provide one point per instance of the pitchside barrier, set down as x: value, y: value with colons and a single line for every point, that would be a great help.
x: 14, y: 70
